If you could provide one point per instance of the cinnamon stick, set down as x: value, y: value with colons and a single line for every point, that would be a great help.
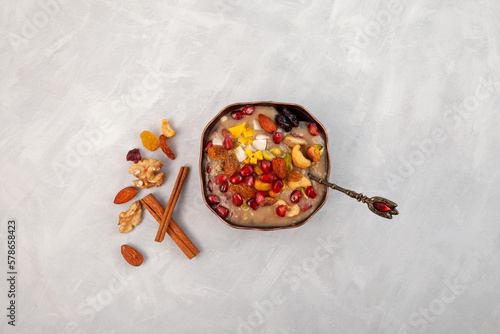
x: 172, y: 201
x: 174, y: 231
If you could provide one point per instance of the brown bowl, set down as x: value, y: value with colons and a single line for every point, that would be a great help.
x: 303, y: 115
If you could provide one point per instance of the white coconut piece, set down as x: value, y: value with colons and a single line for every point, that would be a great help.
x: 240, y: 154
x: 217, y: 141
x: 260, y: 144
x: 256, y: 125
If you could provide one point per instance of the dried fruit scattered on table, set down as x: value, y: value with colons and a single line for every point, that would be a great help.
x: 217, y: 152
x: 279, y: 168
x: 166, y: 128
x: 149, y: 140
x: 125, y: 195
x: 283, y: 122
x: 132, y: 255
x: 298, y: 158
x: 145, y: 171
x: 313, y: 129
x: 291, y: 116
x: 267, y: 124
x: 242, y: 189
x: 134, y: 155
x: 165, y: 148
x: 313, y: 154
x: 130, y: 218
x: 231, y: 165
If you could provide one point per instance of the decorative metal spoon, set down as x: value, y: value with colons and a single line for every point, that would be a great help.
x: 378, y: 205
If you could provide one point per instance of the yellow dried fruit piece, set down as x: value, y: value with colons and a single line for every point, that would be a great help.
x: 276, y: 152
x: 236, y: 131
x: 248, y: 133
x: 259, y: 185
x: 149, y: 140
x: 243, y: 140
x: 253, y: 161
x: 166, y: 128
x: 249, y: 152
x: 258, y: 155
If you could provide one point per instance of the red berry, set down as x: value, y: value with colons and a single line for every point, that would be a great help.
x: 237, y: 199
x: 381, y: 206
x: 247, y: 170
x: 226, y: 133
x: 208, y: 145
x: 313, y: 129
x: 224, y: 187
x: 310, y: 192
x: 212, y: 199
x: 278, y: 137
x: 248, y: 110
x: 295, y: 196
x: 210, y: 186
x: 253, y: 204
x: 222, y: 211
x: 250, y: 180
x: 267, y: 177
x: 266, y: 166
x: 307, y: 207
x: 134, y: 155
x: 237, y: 114
x: 281, y: 210
x: 236, y: 178
x: 277, y: 186
x: 209, y: 169
x: 220, y: 179
x: 228, y: 143
x: 260, y: 196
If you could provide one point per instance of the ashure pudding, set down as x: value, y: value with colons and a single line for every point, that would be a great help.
x: 255, y: 164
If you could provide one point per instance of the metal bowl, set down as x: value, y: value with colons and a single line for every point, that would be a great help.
x: 303, y: 115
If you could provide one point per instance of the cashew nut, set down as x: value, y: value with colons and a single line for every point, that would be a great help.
x: 298, y: 158
x: 291, y: 211
x: 166, y: 128
x: 304, y: 182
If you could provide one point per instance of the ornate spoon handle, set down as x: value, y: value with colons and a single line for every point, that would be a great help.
x: 378, y: 205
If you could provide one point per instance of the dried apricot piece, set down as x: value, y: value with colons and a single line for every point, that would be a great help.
x: 217, y: 152
x: 231, y: 165
x: 149, y: 140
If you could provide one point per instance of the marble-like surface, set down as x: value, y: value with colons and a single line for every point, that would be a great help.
x: 407, y: 90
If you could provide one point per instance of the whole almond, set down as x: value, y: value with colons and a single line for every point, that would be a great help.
x: 279, y: 168
x: 132, y: 256
x: 267, y: 124
x: 165, y: 148
x: 125, y: 195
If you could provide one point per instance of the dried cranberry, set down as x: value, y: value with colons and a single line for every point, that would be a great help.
x: 134, y: 155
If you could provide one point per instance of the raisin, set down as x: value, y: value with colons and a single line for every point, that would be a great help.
x: 231, y: 165
x: 293, y: 119
x: 283, y: 122
x: 217, y: 152
x: 242, y: 189
x: 134, y: 155
x: 294, y: 175
x: 149, y: 140
x: 165, y: 148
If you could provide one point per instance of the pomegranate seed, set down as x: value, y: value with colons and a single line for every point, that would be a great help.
x: 210, y: 186
x: 212, y: 199
x: 220, y: 179
x: 224, y: 187
x: 266, y: 166
x: 307, y: 207
x: 247, y: 170
x: 310, y: 192
x: 381, y: 206
x: 209, y: 169
x: 295, y: 196
x: 236, y: 178
x: 277, y: 186
x: 237, y: 199
x: 208, y: 145
x: 226, y: 133
x: 222, y: 211
x: 250, y: 180
x: 267, y: 178
x: 253, y: 204
x: 237, y: 114
x: 281, y: 210
x: 278, y: 137
x: 228, y: 143
x: 260, y: 197
x: 313, y: 129
x: 248, y: 110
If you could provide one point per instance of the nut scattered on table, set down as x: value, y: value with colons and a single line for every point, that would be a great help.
x: 145, y: 171
x: 166, y: 128
x: 132, y: 255
x: 130, y: 218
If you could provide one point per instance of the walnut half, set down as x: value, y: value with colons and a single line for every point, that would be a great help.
x: 145, y: 170
x: 130, y: 218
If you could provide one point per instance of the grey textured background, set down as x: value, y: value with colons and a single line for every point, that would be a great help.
x: 407, y: 90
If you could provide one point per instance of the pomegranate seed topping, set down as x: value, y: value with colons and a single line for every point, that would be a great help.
x: 237, y: 114
x: 248, y: 110
x: 295, y: 196
x: 228, y: 143
x: 236, y: 178
x: 381, y: 206
x: 307, y: 207
x: 278, y: 137
x: 266, y: 166
x: 209, y: 169
x: 310, y: 192
x: 208, y: 145
x: 313, y: 129
x: 247, y: 170
x: 281, y: 210
x: 277, y: 186
x: 260, y: 196
x: 250, y: 180
x: 224, y: 187
x: 222, y: 211
x: 226, y: 133
x: 210, y: 186
x: 253, y: 204
x: 267, y: 178
x: 220, y: 179
x: 212, y: 199
x: 237, y: 199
